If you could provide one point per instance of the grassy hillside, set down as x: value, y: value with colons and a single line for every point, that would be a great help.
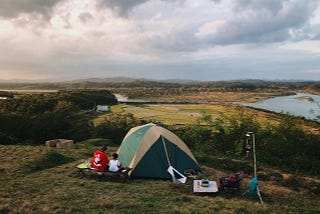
x: 36, y: 179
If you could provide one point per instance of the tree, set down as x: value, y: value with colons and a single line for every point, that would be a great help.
x: 65, y: 107
x: 115, y: 126
x: 318, y: 105
x: 198, y: 137
x: 229, y: 130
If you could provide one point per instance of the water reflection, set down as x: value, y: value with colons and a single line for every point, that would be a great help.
x: 301, y: 104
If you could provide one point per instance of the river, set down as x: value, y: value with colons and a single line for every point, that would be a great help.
x: 301, y: 104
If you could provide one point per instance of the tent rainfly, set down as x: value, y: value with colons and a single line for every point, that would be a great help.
x: 152, y: 151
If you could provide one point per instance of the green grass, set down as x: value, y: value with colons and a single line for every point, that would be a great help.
x: 169, y: 113
x: 94, y: 143
x: 49, y: 160
x: 58, y: 189
x: 186, y: 114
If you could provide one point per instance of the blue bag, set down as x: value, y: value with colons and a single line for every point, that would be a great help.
x: 253, y: 186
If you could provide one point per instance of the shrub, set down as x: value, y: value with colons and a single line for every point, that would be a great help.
x: 314, y: 187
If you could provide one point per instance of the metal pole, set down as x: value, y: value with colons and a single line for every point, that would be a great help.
x: 255, y: 163
x: 254, y: 155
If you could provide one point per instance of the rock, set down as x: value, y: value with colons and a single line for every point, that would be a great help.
x: 60, y: 143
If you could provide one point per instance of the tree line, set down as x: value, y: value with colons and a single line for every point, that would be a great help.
x: 34, y: 118
x: 241, y: 85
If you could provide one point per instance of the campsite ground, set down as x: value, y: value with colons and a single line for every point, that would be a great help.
x: 37, y: 179
x: 44, y: 180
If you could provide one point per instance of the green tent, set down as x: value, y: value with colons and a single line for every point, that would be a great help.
x: 150, y: 149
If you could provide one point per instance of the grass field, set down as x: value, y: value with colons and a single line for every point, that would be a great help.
x: 183, y: 113
x: 44, y: 180
x: 199, y: 96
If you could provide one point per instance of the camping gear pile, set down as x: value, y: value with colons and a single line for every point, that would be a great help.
x: 232, y: 181
x: 205, y: 186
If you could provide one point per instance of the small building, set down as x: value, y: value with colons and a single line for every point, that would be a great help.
x: 102, y: 108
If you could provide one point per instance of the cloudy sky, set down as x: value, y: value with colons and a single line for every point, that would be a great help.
x: 160, y: 39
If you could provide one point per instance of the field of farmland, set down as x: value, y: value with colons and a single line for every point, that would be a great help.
x: 183, y: 114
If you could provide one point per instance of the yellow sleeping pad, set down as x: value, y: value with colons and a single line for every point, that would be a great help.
x: 83, y: 166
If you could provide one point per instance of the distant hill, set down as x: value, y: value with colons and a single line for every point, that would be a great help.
x: 19, y: 81
x: 101, y: 80
x: 111, y: 79
x: 125, y: 82
x: 129, y: 80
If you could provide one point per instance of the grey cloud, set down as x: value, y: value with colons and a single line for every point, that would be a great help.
x: 272, y: 5
x: 12, y: 8
x: 265, y: 22
x: 85, y: 17
x: 317, y: 37
x: 315, y: 32
x: 122, y: 6
x: 255, y: 22
x: 178, y: 40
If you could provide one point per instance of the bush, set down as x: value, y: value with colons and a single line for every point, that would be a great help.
x: 115, y: 127
x: 314, y: 187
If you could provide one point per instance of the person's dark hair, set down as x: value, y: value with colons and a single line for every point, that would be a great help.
x: 115, y: 155
x: 104, y: 148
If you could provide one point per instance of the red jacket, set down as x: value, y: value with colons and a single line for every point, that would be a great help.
x: 99, y: 160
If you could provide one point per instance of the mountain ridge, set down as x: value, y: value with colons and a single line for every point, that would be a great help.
x: 129, y: 80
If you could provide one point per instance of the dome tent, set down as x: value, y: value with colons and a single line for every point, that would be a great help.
x: 149, y: 150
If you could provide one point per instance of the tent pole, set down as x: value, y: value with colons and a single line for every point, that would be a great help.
x: 165, y: 150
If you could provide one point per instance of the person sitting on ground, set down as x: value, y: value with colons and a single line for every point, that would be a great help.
x: 100, y: 159
x: 114, y: 164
